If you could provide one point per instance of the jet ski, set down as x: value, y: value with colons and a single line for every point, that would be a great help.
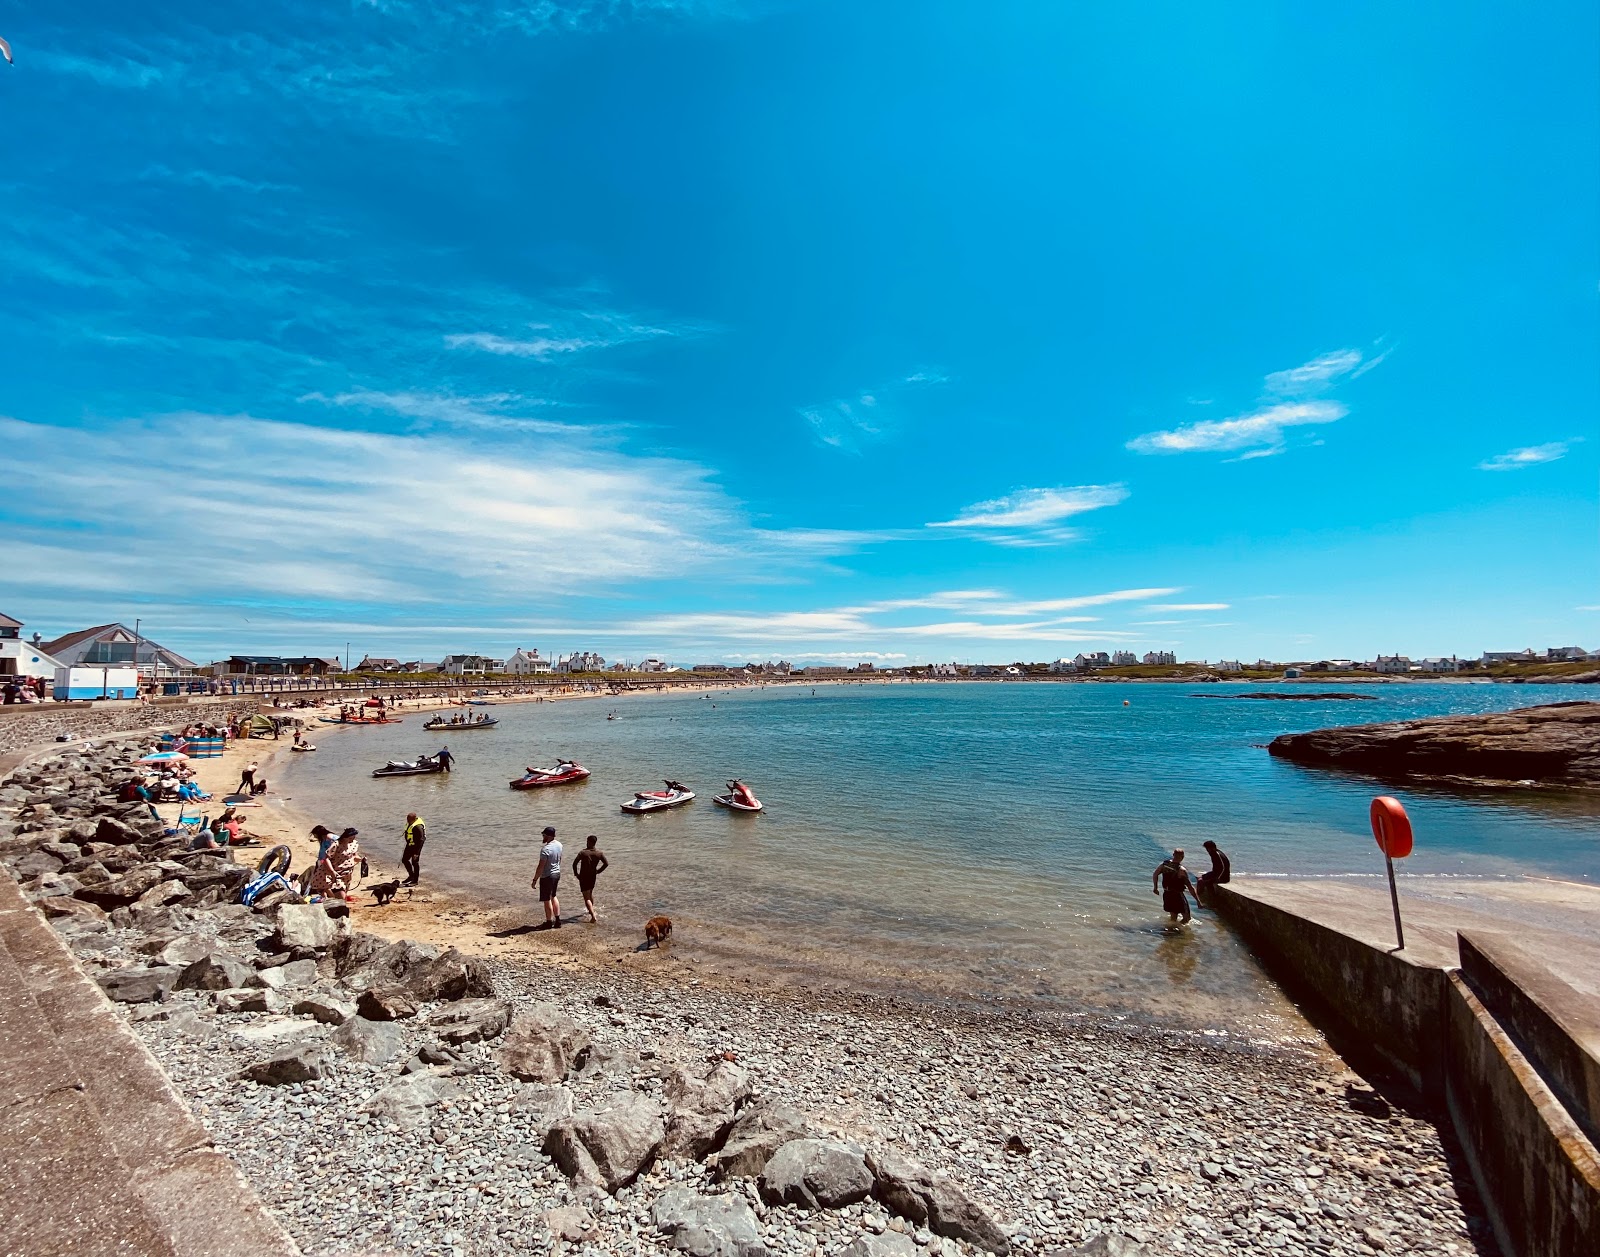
x: 740, y: 798
x: 564, y: 773
x: 418, y: 767
x: 675, y: 795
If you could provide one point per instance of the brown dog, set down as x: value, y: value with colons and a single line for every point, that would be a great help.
x: 657, y: 930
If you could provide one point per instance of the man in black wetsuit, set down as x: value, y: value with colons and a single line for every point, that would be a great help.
x: 1171, y: 881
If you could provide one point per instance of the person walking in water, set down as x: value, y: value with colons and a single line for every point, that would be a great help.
x: 445, y: 758
x: 411, y: 854
x: 1221, y: 870
x: 548, y: 877
x: 247, y: 778
x: 588, y: 864
x: 1171, y: 881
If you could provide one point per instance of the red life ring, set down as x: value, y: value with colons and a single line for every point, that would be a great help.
x: 1391, y: 827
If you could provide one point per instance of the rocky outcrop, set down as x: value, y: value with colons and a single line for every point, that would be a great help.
x: 609, y: 1146
x: 1555, y: 746
x: 708, y: 1226
x: 816, y: 1174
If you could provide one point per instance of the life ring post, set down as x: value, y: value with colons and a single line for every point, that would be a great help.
x: 1392, y: 828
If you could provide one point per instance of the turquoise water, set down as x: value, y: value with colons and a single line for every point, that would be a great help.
x: 984, y: 837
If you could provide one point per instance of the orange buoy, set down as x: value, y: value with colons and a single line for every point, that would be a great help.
x: 1391, y: 827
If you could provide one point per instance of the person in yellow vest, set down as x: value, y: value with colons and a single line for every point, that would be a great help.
x: 411, y: 857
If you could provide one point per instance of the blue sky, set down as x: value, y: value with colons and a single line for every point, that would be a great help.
x: 821, y: 330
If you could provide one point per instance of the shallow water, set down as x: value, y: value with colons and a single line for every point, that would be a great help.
x: 971, y: 837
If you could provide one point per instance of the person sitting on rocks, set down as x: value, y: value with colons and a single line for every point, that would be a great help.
x: 1221, y: 870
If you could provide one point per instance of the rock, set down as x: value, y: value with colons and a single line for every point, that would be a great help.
x: 888, y: 1244
x: 406, y: 1103
x: 708, y: 1226
x: 933, y: 1200
x: 35, y: 864
x: 306, y: 925
x: 65, y: 852
x: 542, y: 1045
x: 185, y: 950
x: 215, y: 971
x: 163, y: 894
x: 1103, y: 1245
x: 374, y: 1042
x: 704, y: 1104
x: 420, y: 970
x: 572, y: 1223
x: 139, y: 986
x: 1554, y: 745
x: 549, y: 1106
x: 250, y: 1000
x: 816, y: 1174
x: 609, y: 1146
x: 58, y: 906
x: 121, y: 891
x: 283, y: 977
x: 472, y: 1020
x: 300, y: 1063
x: 385, y: 1005
x: 758, y: 1132
x: 325, y: 1008
x: 118, y: 832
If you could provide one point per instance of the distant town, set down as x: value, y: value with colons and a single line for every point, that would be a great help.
x: 113, y: 660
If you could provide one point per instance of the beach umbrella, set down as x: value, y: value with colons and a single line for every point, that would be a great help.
x: 165, y: 757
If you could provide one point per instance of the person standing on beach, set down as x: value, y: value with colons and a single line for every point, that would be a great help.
x: 548, y: 877
x: 247, y: 778
x: 1171, y: 881
x: 588, y: 864
x: 1221, y: 870
x: 411, y: 855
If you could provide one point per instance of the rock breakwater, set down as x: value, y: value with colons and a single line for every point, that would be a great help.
x: 397, y: 1096
x: 1554, y: 746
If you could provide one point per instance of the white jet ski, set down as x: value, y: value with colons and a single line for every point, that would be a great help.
x: 675, y: 795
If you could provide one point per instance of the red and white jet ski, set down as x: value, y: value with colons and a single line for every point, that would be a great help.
x: 563, y: 774
x: 675, y: 795
x: 740, y: 798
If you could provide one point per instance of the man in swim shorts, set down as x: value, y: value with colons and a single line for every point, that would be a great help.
x: 548, y: 877
x: 1171, y: 881
x: 588, y: 864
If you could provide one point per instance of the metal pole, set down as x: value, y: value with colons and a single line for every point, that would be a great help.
x: 1394, y: 898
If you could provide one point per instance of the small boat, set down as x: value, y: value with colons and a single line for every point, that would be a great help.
x: 480, y: 702
x: 361, y: 720
x: 419, y: 767
x: 488, y: 722
x: 740, y: 798
x: 564, y: 773
x: 675, y: 795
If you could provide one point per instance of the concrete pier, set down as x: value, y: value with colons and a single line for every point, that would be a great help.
x: 1491, y: 1013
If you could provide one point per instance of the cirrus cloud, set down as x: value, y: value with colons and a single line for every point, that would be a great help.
x: 1031, y: 517
x: 1526, y: 456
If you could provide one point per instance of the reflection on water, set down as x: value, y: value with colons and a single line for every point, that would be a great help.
x: 995, y: 837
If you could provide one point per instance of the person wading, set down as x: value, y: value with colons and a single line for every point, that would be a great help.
x: 548, y: 877
x: 588, y: 864
x: 411, y: 855
x: 1171, y: 882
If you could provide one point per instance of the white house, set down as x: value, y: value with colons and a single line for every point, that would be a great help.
x: 583, y: 661
x: 1123, y: 658
x: 941, y: 669
x: 107, y: 644
x: 1086, y: 663
x: 20, y: 658
x: 1440, y: 664
x: 464, y: 665
x: 1391, y: 664
x: 527, y: 663
x: 1228, y: 665
x: 1563, y: 654
x: 371, y: 664
x: 1160, y: 657
x: 1060, y: 665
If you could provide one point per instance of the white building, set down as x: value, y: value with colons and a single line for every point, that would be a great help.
x: 941, y: 669
x: 653, y: 664
x: 1087, y: 663
x: 582, y: 661
x: 1564, y: 654
x: 1509, y: 656
x: 465, y: 666
x: 1123, y: 659
x: 1440, y: 664
x: 20, y: 658
x: 1059, y: 666
x: 527, y: 663
x: 1160, y: 657
x: 108, y: 644
x: 1391, y: 664
x: 1228, y: 665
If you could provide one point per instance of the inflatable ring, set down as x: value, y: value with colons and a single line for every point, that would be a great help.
x: 275, y: 861
x: 1391, y: 827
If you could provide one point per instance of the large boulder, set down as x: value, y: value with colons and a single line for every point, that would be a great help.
x: 705, y: 1102
x: 610, y: 1146
x: 385, y: 1004
x: 306, y: 926
x: 300, y: 1063
x: 472, y: 1020
x: 36, y: 864
x: 139, y: 986
x: 758, y: 1132
x: 934, y: 1201
x: 542, y: 1045
x: 121, y: 891
x: 406, y: 1103
x: 329, y: 1009
x: 215, y: 971
x: 60, y: 906
x: 374, y: 1042
x: 816, y: 1174
x: 119, y: 832
x: 421, y: 970
x: 250, y: 999
x: 708, y: 1226
x: 283, y: 977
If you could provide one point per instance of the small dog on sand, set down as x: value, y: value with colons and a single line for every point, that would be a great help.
x: 657, y: 930
x: 383, y: 892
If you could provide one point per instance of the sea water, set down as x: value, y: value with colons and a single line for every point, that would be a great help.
x: 970, y: 838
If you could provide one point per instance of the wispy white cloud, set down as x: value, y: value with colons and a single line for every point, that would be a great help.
x: 1260, y: 432
x: 1032, y: 516
x: 1188, y: 606
x: 1314, y: 376
x: 1527, y: 456
x: 851, y: 423
x: 495, y: 410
